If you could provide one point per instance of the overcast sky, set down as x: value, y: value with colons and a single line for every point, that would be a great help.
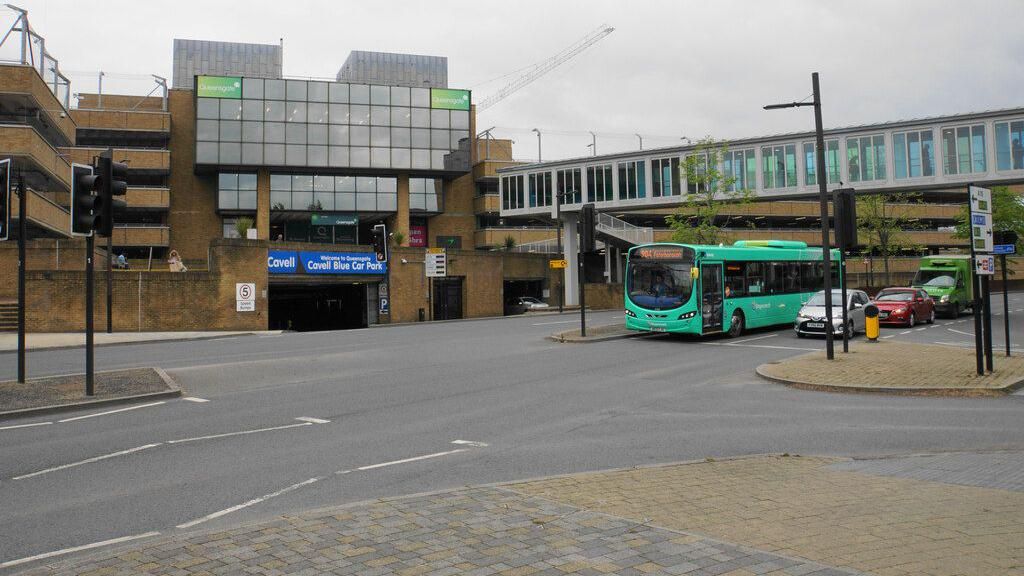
x: 670, y: 69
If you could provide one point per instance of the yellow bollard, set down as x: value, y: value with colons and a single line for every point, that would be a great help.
x: 871, y: 322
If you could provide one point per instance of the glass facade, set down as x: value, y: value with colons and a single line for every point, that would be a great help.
x: 865, y: 158
x: 315, y: 192
x: 831, y: 160
x: 778, y: 166
x: 570, y: 187
x: 963, y: 150
x: 913, y: 154
x: 741, y: 167
x: 600, y: 187
x: 426, y: 195
x: 236, y: 191
x: 665, y: 176
x: 1010, y: 145
x: 632, y: 180
x: 540, y: 189
x: 329, y: 124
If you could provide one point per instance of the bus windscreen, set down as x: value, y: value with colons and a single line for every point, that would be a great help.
x: 660, y: 285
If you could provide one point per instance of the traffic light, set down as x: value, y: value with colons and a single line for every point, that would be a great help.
x: 85, y: 204
x: 111, y: 183
x: 588, y: 220
x: 844, y: 212
x: 380, y: 242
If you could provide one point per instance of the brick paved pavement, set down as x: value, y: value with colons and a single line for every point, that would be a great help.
x: 799, y: 507
x: 898, y: 367
x: 477, y: 531
x: 1002, y: 470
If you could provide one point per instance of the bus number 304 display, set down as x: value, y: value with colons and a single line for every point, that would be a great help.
x: 695, y: 289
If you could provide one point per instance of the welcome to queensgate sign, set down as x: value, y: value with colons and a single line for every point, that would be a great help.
x: 291, y: 262
x: 449, y: 99
x: 219, y: 87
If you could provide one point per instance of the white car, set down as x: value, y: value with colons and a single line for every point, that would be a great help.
x: 811, y: 318
x: 531, y: 303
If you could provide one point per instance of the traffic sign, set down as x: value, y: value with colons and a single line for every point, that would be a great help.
x: 557, y: 264
x: 985, y: 265
x: 245, y: 297
x: 981, y: 232
x: 436, y: 263
x: 981, y: 200
x: 1004, y: 249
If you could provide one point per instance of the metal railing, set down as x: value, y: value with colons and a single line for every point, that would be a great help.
x: 612, y: 226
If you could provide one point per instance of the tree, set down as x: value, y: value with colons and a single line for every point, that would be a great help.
x: 699, y: 219
x: 1007, y: 216
x: 883, y: 221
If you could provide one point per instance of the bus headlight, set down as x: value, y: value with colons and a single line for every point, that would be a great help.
x: 687, y: 315
x: 630, y: 313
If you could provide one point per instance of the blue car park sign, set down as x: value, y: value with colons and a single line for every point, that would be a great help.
x: 1004, y: 249
x: 296, y: 262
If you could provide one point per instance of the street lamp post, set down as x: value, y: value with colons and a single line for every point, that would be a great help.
x: 823, y: 200
x: 538, y: 144
x: 641, y: 138
x: 593, y: 144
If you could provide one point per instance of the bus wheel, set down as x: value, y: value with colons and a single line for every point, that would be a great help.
x: 736, y: 325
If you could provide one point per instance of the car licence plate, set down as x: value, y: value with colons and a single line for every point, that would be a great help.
x: 883, y: 315
x: 815, y: 324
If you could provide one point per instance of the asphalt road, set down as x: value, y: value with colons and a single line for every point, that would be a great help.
x: 298, y: 421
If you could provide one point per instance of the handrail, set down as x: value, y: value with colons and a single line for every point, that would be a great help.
x: 623, y: 230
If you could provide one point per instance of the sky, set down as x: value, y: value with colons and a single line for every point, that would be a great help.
x: 670, y: 69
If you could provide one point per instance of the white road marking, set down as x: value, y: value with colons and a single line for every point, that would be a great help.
x: 905, y: 332
x: 413, y: 459
x: 240, y: 433
x: 957, y: 344
x: 252, y: 502
x: 560, y: 322
x: 470, y: 443
x: 112, y: 411
x: 752, y: 339
x: 312, y: 420
x: 10, y: 563
x: 88, y: 461
x: 971, y: 334
x: 26, y: 425
x: 342, y: 472
x: 920, y: 329
x: 889, y: 336
x: 194, y: 399
x: 759, y: 346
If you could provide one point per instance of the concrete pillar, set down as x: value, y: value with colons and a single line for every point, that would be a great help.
x: 618, y: 266
x: 570, y: 248
x: 608, y: 263
x: 400, y: 221
x: 263, y: 204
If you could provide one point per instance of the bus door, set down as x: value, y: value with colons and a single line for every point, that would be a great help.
x: 711, y: 297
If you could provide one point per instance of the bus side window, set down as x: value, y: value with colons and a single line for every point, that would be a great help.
x: 755, y: 278
x: 735, y: 279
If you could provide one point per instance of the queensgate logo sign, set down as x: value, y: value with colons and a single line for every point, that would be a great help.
x: 449, y: 99
x: 289, y: 261
x: 219, y: 87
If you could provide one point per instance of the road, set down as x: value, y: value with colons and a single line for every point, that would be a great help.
x: 280, y: 424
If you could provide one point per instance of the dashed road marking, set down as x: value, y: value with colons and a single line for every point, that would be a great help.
x: 905, y: 332
x: 45, y: 555
x: 194, y: 399
x: 88, y: 461
x: 252, y: 502
x: 413, y: 459
x: 971, y: 334
x: 312, y: 420
x: 471, y: 443
x: 25, y: 425
x: 112, y: 411
x: 239, y: 433
x: 752, y: 339
x: 920, y: 329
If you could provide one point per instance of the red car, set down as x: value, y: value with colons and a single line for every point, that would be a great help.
x: 904, y: 306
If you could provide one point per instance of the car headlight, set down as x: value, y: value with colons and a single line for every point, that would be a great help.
x: 944, y: 299
x: 899, y: 311
x: 630, y: 313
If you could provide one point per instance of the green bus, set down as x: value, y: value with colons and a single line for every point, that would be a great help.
x: 696, y: 289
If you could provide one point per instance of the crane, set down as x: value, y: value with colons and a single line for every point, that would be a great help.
x: 546, y: 66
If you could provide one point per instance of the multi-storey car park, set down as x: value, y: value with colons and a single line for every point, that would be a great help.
x: 316, y: 163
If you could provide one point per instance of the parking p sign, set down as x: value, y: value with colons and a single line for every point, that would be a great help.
x: 245, y: 297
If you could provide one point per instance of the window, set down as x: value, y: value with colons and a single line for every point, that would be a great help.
x: 695, y: 182
x: 314, y: 192
x: 756, y: 279
x: 236, y: 191
x: 741, y: 167
x: 570, y: 189
x: 425, y: 195
x: 599, y: 183
x: 540, y: 189
x: 963, y: 150
x: 665, y: 175
x: 512, y: 192
x: 632, y: 181
x: 1010, y: 145
x: 778, y: 166
x: 811, y: 163
x: 913, y: 154
x: 735, y: 279
x: 865, y: 158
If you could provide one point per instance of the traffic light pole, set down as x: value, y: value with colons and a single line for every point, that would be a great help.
x: 110, y: 284
x: 1006, y: 303
x: 89, y: 277
x: 22, y: 232
x: 987, y: 290
x: 582, y: 282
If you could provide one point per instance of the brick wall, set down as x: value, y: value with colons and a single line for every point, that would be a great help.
x: 194, y: 300
x: 458, y: 218
x: 193, y: 215
x: 604, y: 296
